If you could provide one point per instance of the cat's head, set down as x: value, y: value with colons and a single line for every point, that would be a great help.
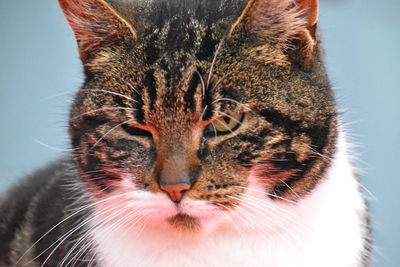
x: 194, y: 112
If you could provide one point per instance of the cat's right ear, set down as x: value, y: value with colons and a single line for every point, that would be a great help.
x: 96, y: 25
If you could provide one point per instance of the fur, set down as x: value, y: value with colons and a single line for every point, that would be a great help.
x: 324, y: 229
x: 205, y: 134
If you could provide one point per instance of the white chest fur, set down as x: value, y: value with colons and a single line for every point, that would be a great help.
x: 328, y: 232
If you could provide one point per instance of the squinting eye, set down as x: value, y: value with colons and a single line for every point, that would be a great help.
x: 132, y: 130
x: 224, y: 125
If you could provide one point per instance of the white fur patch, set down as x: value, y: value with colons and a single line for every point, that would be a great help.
x: 324, y: 229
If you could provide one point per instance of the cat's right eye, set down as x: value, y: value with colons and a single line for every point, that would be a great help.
x: 224, y: 125
x: 136, y: 131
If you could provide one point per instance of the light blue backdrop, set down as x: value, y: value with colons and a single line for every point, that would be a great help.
x: 39, y: 69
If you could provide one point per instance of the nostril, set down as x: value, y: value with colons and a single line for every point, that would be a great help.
x: 175, y: 192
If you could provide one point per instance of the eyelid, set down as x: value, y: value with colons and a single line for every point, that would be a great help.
x: 138, y: 130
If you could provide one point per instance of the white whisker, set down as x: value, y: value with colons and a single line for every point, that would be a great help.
x: 101, y: 109
x: 72, y: 231
x: 265, y: 193
x: 203, y: 86
x: 109, y: 92
x: 81, y: 209
x: 55, y: 148
x: 213, y: 61
x: 107, y: 133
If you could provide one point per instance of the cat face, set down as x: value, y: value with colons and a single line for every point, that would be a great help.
x: 186, y: 117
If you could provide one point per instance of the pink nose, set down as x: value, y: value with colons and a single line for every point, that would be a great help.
x: 175, y: 192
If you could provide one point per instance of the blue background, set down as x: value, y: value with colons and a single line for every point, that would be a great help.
x: 40, y: 70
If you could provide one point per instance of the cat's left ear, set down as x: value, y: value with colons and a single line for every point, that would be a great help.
x: 288, y: 25
x: 97, y: 26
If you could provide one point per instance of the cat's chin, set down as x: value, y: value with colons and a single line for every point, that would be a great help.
x: 184, y: 222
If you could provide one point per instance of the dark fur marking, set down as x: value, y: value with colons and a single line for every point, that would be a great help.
x: 279, y: 119
x: 207, y: 47
x: 207, y: 101
x: 168, y: 75
x: 256, y: 140
x: 136, y: 132
x: 150, y: 83
x: 138, y: 106
x: 86, y: 125
x: 189, y: 94
x: 152, y: 51
x: 245, y: 158
x: 203, y: 151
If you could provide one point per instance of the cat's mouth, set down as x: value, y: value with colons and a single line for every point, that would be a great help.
x: 185, y: 222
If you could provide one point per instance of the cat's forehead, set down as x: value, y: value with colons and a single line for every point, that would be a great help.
x: 175, y: 35
x: 160, y: 12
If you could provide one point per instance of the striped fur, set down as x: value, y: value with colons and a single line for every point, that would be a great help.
x: 159, y: 74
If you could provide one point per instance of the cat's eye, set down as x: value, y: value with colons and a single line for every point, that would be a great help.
x: 136, y: 131
x: 224, y: 125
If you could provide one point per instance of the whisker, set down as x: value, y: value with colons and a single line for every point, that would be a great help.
x: 363, y: 187
x: 220, y: 80
x: 59, y: 94
x: 256, y: 227
x: 138, y: 219
x: 84, y: 248
x: 101, y: 109
x: 107, y: 133
x: 203, y: 113
x: 203, y: 87
x: 214, y: 60
x: 283, y: 212
x: 315, y: 152
x: 265, y: 193
x: 290, y: 188
x: 109, y: 92
x: 233, y: 101
x: 72, y: 231
x: 229, y: 116
x: 215, y: 130
x: 55, y: 148
x: 66, y: 219
x: 132, y: 87
x: 259, y: 211
x: 226, y: 215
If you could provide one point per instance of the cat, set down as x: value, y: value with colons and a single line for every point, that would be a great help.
x: 205, y: 134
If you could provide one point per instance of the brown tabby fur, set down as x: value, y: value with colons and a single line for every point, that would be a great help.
x: 158, y: 74
x: 290, y: 116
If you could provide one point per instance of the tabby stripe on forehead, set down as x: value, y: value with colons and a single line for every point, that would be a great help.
x: 191, y: 91
x: 207, y: 102
x: 150, y: 83
x: 207, y: 47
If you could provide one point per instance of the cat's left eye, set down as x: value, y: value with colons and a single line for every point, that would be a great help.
x: 224, y: 125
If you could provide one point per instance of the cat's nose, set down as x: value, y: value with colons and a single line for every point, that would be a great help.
x: 176, y: 174
x: 175, y: 192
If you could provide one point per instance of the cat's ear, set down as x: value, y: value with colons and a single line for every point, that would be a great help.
x: 96, y: 25
x: 287, y: 25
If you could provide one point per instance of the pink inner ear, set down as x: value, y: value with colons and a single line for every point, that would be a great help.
x: 311, y: 8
